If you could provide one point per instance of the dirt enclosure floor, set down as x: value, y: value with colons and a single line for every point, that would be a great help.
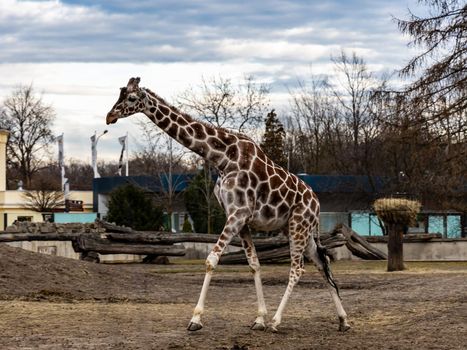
x: 55, y: 303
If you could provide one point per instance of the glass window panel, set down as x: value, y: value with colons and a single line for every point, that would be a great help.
x: 436, y: 224
x: 360, y: 223
x: 453, y: 226
x: 375, y: 228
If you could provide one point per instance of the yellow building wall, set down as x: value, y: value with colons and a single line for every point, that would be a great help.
x: 12, y: 203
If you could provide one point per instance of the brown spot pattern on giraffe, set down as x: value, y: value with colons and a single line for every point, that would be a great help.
x: 275, y: 198
x: 263, y: 192
x: 259, y: 168
x: 199, y: 131
x: 164, y: 123
x: 159, y: 116
x: 184, y: 137
x: 172, y: 130
x: 216, y: 144
x: 267, y: 212
x: 242, y: 179
x: 232, y: 153
x: 181, y: 121
x: 164, y: 110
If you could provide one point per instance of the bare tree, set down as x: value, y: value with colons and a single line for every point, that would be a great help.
x: 80, y: 174
x: 334, y: 125
x: 313, y: 127
x: 353, y: 93
x: 45, y: 199
x: 29, y: 121
x: 223, y: 104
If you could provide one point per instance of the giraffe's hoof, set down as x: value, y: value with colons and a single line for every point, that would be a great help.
x: 194, y: 326
x: 344, y: 327
x: 273, y: 328
x: 258, y: 326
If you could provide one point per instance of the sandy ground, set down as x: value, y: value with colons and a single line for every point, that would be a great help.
x: 55, y: 303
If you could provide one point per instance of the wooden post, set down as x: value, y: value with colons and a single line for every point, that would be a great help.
x: 395, y: 247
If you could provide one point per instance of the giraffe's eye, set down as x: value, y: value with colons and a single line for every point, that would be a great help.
x: 132, y: 99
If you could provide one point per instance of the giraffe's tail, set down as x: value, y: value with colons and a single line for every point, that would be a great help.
x: 324, y: 257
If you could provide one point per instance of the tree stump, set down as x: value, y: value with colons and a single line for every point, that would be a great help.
x: 395, y: 247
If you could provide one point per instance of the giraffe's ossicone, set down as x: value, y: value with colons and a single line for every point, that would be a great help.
x: 253, y: 191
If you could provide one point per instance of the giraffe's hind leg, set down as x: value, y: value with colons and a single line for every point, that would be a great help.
x: 296, y: 271
x: 253, y: 261
x: 321, y: 262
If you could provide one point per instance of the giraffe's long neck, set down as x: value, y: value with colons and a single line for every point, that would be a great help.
x: 205, y: 140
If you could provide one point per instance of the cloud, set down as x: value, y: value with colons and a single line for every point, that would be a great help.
x: 186, y: 31
x: 273, y: 50
x: 47, y: 12
x: 78, y: 53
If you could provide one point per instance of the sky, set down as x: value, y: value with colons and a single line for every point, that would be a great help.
x: 77, y: 54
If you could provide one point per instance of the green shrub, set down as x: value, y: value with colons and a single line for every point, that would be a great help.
x: 132, y: 207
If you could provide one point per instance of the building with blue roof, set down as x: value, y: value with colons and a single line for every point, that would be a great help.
x: 344, y: 199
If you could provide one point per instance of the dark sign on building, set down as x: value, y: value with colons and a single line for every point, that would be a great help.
x: 73, y: 205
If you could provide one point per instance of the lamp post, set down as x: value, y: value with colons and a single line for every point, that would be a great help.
x: 94, y: 140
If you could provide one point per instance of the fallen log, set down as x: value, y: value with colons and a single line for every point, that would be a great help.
x: 329, y: 240
x: 265, y: 256
x: 126, y: 234
x: 112, y: 227
x: 171, y: 238
x: 162, y: 237
x: 359, y: 246
x: 16, y: 237
x: 105, y: 246
x: 410, y: 237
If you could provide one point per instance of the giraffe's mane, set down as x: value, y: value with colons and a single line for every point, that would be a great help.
x: 189, y: 117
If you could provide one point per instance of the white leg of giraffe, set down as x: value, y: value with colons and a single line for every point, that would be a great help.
x: 253, y: 262
x: 232, y: 227
x: 296, y: 271
x: 313, y: 255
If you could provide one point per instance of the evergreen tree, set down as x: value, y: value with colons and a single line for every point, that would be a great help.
x: 130, y: 206
x: 201, y: 203
x: 273, y: 139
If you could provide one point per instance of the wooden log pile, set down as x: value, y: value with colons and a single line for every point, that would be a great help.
x: 340, y: 236
x: 106, y: 238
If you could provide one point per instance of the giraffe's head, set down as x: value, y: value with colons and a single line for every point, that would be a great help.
x: 131, y: 100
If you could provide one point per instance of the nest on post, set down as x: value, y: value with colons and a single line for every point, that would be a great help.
x: 397, y: 211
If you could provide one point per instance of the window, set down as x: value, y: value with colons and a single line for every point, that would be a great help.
x: 24, y: 218
x: 366, y: 224
x: 449, y: 225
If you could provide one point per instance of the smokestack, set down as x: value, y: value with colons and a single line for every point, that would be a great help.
x: 3, y: 141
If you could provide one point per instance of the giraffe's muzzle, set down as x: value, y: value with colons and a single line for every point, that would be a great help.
x: 111, y: 118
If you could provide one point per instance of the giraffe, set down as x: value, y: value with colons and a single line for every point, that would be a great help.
x: 254, y: 193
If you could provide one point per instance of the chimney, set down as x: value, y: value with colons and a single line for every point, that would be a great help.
x: 3, y: 141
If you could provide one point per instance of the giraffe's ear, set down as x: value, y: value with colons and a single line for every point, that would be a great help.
x: 133, y: 84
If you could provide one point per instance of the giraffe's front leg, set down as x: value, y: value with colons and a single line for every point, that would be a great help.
x: 195, y: 323
x: 232, y: 227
